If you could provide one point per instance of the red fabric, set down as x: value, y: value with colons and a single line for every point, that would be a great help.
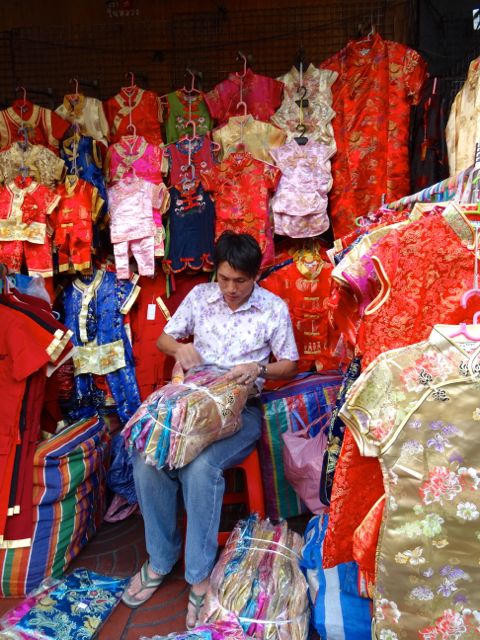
x: 152, y: 367
x: 43, y: 126
x: 37, y: 201
x: 38, y: 257
x: 241, y: 187
x: 27, y: 202
x: 138, y: 107
x: 72, y: 222
x: 365, y: 538
x: 429, y: 267
x: 378, y: 82
x: 306, y: 293
x: 262, y: 95
x: 23, y: 350
x: 20, y: 526
x: 201, y: 158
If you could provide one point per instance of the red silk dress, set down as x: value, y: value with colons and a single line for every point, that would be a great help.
x: 378, y: 81
x: 24, y: 205
x: 424, y: 269
x: 138, y: 107
x: 304, y: 285
x: 241, y: 187
x: 72, y: 220
x: 43, y: 126
x: 261, y: 94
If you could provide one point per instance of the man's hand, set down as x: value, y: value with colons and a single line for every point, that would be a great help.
x: 244, y: 373
x: 187, y: 356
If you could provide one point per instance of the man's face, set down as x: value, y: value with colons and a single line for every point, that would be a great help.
x: 236, y: 286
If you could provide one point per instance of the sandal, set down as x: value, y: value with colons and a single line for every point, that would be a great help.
x: 197, y: 600
x: 146, y: 582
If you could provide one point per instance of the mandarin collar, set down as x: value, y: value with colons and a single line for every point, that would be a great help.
x: 255, y: 299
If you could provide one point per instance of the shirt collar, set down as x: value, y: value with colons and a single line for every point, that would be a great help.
x: 455, y: 217
x: 255, y: 300
x: 73, y: 103
x: 440, y: 339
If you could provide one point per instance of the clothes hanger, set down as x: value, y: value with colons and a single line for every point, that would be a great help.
x: 243, y: 57
x: 301, y: 60
x: 74, y: 97
x: 192, y: 88
x: 132, y: 86
x: 302, y: 138
x: 25, y: 103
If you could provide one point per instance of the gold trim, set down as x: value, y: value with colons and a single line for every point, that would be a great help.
x: 163, y: 308
x: 385, y: 289
x: 13, y: 511
x: 89, y: 291
x: 131, y: 299
x: 61, y: 346
x: 459, y: 223
x: 99, y: 359
x: 53, y: 346
x: 15, y: 544
x: 82, y: 266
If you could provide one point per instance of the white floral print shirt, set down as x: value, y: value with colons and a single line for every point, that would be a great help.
x: 227, y: 338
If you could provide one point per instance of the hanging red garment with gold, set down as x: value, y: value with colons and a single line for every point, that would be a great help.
x: 424, y: 269
x: 304, y: 285
x: 378, y: 81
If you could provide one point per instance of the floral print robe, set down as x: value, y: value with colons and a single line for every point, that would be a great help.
x: 418, y: 410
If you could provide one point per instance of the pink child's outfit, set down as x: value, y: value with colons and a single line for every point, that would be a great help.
x: 148, y: 162
x: 132, y: 225
x: 300, y: 202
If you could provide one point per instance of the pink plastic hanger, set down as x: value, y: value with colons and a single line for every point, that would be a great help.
x: 463, y: 331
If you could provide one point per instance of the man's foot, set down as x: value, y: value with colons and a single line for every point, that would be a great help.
x: 196, y: 599
x: 142, y: 587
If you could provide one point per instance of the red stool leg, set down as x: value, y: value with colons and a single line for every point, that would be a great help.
x: 256, y: 499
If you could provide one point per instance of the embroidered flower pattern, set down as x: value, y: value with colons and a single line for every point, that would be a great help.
x: 442, y: 485
x: 429, y: 527
x: 388, y: 634
x: 386, y: 610
x: 413, y: 557
x: 467, y: 511
x: 421, y: 593
x: 450, y: 626
x: 410, y: 447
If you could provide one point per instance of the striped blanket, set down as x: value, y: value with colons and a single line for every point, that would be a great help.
x: 294, y: 406
x: 69, y: 502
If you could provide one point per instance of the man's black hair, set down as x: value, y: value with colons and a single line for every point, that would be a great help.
x: 240, y: 250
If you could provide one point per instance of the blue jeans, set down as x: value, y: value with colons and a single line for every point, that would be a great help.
x: 202, y: 485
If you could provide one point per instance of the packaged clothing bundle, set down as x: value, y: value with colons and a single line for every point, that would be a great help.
x: 73, y: 608
x: 69, y: 485
x: 295, y: 406
x: 339, y: 610
x: 179, y: 420
x: 257, y: 578
x: 221, y: 630
x: 12, y: 616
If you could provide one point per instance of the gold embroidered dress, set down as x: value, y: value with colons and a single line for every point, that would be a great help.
x: 418, y: 410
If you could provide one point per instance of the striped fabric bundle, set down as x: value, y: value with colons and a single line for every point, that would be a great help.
x: 69, y: 503
x: 293, y: 407
x: 338, y: 610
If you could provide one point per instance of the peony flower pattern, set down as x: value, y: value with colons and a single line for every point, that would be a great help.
x: 427, y: 559
x: 450, y: 626
x: 442, y: 484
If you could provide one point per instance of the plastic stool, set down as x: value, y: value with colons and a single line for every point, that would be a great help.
x: 251, y: 496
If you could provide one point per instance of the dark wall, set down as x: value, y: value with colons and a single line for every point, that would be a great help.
x: 446, y: 37
x: 44, y: 44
